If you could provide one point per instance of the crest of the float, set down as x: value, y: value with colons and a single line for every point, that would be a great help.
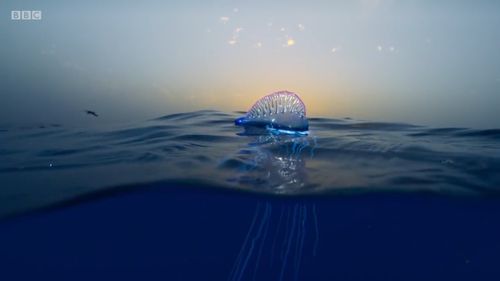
x: 280, y: 112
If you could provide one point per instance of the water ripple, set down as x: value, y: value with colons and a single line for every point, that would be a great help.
x: 54, y: 162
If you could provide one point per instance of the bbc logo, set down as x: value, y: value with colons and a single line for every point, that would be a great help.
x: 26, y: 15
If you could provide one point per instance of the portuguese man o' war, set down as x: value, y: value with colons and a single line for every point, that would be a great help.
x: 277, y: 129
x: 275, y: 159
x: 282, y: 112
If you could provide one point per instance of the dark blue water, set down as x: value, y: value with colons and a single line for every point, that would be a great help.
x: 167, y: 199
x: 190, y: 233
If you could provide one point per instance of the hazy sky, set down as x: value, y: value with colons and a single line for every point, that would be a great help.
x: 425, y: 62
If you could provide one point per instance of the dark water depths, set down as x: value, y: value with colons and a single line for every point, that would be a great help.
x: 158, y: 232
x: 47, y: 164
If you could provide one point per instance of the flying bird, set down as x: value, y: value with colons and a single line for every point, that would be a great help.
x: 90, y: 112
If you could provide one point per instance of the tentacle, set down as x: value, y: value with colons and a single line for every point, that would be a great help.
x: 278, y: 228
x: 294, y: 222
x: 264, y: 237
x: 237, y: 263
x: 302, y: 240
x: 252, y: 246
x: 316, y: 240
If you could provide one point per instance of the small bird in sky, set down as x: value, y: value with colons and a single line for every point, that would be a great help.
x: 90, y: 112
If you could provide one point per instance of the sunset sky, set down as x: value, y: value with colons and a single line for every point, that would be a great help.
x: 424, y: 62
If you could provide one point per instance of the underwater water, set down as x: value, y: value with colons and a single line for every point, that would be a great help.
x: 159, y: 232
x: 47, y: 164
x: 165, y: 199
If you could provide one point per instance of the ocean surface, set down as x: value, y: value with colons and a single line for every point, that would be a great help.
x: 192, y: 197
x: 47, y: 164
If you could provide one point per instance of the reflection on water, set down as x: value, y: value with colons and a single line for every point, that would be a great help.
x: 40, y: 165
x: 275, y: 162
